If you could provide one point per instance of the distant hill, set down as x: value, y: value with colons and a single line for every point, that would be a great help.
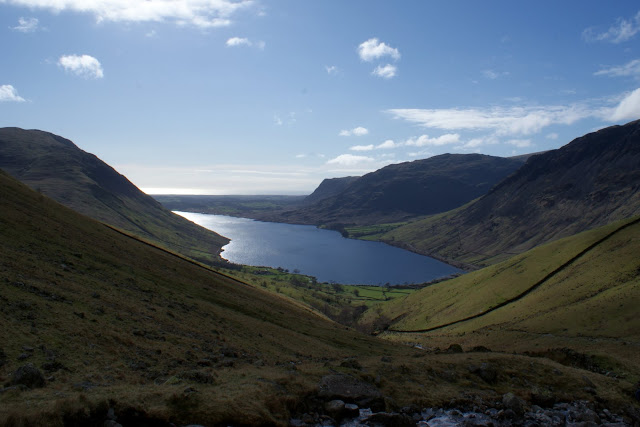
x: 589, y: 182
x: 408, y: 190
x: 57, y: 168
x: 330, y: 187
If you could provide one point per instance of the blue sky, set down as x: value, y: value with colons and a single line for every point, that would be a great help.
x: 270, y: 97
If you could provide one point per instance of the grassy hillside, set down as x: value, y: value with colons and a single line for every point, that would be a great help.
x: 589, y: 182
x: 57, y: 168
x: 115, y: 323
x: 580, y: 292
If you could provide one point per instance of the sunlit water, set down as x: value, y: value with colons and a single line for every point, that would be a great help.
x: 324, y: 254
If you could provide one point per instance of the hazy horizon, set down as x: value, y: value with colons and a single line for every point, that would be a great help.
x: 257, y: 97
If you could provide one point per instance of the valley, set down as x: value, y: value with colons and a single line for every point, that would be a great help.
x: 117, y: 307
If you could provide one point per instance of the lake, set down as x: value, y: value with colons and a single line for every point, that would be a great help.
x: 321, y: 253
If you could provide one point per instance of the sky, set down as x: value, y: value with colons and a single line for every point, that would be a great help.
x: 271, y: 97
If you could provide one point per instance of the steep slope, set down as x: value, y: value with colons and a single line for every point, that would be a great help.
x: 122, y: 328
x: 408, y: 190
x: 113, y: 316
x: 589, y: 182
x: 57, y: 168
x: 330, y: 187
x: 580, y: 292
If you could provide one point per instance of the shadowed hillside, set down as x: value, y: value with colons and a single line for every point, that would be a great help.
x: 589, y: 182
x: 57, y: 168
x: 100, y: 325
x: 407, y: 190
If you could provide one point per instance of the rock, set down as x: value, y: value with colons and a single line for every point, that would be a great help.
x: 351, y: 363
x: 351, y: 410
x: 486, y: 371
x: 543, y: 398
x: 480, y: 349
x: 390, y: 420
x: 352, y: 390
x: 335, y: 408
x: 513, y: 403
x: 111, y: 423
x: 454, y: 348
x: 636, y: 395
x: 28, y: 375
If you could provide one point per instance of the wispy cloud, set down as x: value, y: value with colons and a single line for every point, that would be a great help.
x: 623, y: 30
x: 375, y: 49
x: 332, y: 70
x: 424, y: 140
x: 242, y: 41
x: 9, y: 94
x: 520, y: 143
x: 503, y: 121
x: 82, y: 65
x: 198, y: 13
x: 349, y: 160
x: 26, y: 25
x: 493, y: 75
x: 385, y: 71
x: 357, y: 131
x: 631, y: 68
x: 362, y: 147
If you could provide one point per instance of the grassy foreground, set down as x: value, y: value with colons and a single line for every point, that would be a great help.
x: 115, y: 323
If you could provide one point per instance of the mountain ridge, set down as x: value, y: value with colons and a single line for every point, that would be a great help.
x: 58, y: 168
x: 589, y: 182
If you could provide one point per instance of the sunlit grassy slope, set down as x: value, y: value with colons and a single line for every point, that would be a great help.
x: 116, y: 323
x: 585, y: 293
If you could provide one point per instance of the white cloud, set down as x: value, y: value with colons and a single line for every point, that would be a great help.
x: 82, y: 65
x: 349, y: 160
x: 631, y: 68
x: 490, y: 74
x: 300, y: 156
x: 622, y: 31
x: 553, y: 136
x: 198, y: 13
x: 628, y: 108
x: 520, y: 143
x: 374, y: 49
x: 9, y: 94
x: 385, y: 71
x: 362, y: 147
x: 242, y: 41
x: 388, y: 144
x: 238, y: 41
x: 357, y: 131
x: 502, y: 121
x: 331, y: 69
x: 26, y: 25
x: 424, y: 140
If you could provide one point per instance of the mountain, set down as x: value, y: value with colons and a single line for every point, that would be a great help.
x: 592, y: 181
x: 57, y: 168
x: 330, y: 187
x: 579, y: 293
x: 103, y: 328
x: 408, y: 190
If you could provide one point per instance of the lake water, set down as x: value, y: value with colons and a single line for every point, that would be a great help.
x: 324, y: 254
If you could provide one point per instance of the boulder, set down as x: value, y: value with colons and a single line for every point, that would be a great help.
x: 352, y: 390
x: 513, y: 403
x: 28, y: 375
